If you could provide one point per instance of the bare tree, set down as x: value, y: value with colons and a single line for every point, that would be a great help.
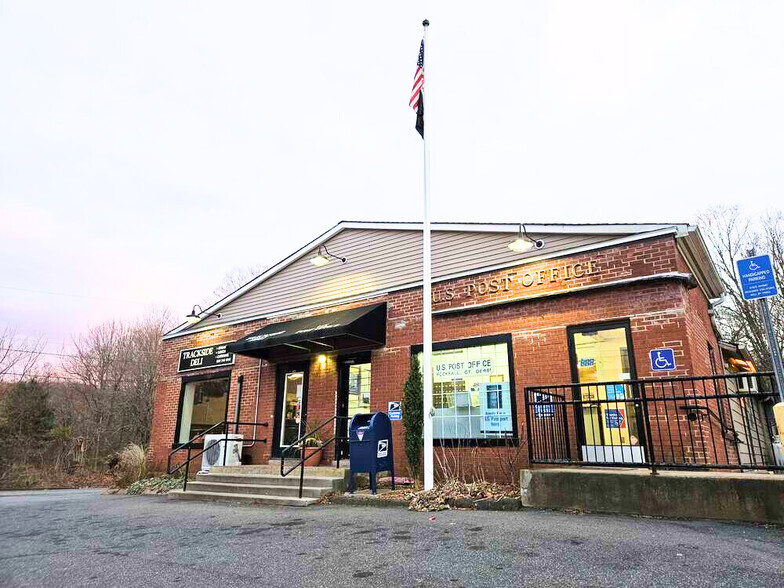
x: 113, y: 372
x: 234, y: 279
x: 729, y: 235
x: 19, y: 356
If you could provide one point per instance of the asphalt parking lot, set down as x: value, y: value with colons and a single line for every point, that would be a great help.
x: 82, y: 538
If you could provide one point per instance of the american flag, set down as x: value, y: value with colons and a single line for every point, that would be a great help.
x: 417, y: 101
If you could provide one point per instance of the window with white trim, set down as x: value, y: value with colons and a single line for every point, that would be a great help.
x: 472, y: 394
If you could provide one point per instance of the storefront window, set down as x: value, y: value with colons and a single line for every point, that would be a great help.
x: 602, y: 355
x: 204, y: 404
x: 472, y: 394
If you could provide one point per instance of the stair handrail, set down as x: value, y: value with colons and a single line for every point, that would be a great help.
x: 189, y: 446
x: 299, y: 444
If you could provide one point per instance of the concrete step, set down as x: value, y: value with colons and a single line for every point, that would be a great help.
x: 258, y: 489
x: 329, y: 483
x: 274, y: 469
x: 241, y: 498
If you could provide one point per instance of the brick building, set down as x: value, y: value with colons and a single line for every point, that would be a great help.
x: 316, y: 336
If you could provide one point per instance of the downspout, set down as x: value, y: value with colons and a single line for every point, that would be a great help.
x: 712, y: 304
x: 256, y: 409
x: 238, y: 403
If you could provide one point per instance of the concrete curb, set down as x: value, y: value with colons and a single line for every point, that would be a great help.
x: 502, y: 504
x: 362, y: 500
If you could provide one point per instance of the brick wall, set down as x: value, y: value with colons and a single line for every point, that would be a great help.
x: 535, y: 304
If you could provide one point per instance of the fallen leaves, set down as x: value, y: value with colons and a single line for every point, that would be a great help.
x: 440, y: 497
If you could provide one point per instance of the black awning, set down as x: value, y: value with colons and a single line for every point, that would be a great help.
x: 354, y: 329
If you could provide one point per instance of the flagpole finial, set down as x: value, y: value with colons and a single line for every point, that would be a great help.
x: 425, y: 23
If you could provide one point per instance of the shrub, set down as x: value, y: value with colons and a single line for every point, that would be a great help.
x: 413, y: 412
x: 131, y: 465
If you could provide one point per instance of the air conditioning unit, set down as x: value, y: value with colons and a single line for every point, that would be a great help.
x: 214, y: 448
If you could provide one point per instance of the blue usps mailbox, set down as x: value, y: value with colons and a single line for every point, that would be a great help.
x: 370, y: 447
x: 756, y: 276
x: 662, y: 360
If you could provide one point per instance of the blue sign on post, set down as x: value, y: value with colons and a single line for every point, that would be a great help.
x: 394, y: 411
x: 662, y: 360
x: 757, y: 279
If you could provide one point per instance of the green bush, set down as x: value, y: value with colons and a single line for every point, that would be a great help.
x: 413, y: 412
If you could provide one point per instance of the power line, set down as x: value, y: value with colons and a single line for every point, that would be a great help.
x: 55, y: 376
x: 36, y: 352
x: 71, y: 295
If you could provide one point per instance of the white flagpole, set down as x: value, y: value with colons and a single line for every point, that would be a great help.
x: 427, y: 323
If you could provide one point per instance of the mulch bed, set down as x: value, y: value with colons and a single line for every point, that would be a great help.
x: 445, y: 496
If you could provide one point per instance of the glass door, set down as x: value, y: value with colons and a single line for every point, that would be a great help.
x: 608, y: 413
x: 291, y: 407
x: 353, y: 396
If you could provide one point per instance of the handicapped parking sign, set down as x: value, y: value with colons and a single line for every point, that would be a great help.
x: 662, y: 360
x: 756, y: 276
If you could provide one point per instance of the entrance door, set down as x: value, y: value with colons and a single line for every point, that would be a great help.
x: 291, y: 406
x: 609, y: 430
x: 353, y: 395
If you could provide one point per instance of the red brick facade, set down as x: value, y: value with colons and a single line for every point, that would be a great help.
x: 646, y: 283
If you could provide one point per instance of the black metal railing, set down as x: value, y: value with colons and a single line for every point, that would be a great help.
x: 192, y: 444
x: 714, y: 422
x: 299, y: 445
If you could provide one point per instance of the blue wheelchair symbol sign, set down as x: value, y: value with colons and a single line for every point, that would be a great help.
x: 662, y: 360
x: 756, y: 276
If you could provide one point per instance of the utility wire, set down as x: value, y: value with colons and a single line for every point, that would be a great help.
x: 34, y: 352
x: 72, y: 295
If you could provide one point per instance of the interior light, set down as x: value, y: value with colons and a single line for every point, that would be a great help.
x: 322, y: 359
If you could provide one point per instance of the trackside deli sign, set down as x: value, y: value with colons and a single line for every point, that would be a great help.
x: 200, y: 358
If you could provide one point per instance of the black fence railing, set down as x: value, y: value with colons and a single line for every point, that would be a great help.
x: 715, y: 422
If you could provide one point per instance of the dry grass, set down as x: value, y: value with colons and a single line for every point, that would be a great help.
x: 29, y: 477
x: 438, y: 498
x: 131, y: 465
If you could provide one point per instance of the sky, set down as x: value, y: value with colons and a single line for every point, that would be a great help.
x: 147, y: 148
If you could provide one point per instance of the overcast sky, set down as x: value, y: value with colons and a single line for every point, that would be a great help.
x: 146, y: 148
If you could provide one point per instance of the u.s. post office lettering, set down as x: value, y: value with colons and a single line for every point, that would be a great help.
x: 530, y: 279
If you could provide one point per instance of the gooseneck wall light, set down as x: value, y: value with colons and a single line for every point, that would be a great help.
x: 524, y: 241
x: 195, y: 317
x: 323, y: 256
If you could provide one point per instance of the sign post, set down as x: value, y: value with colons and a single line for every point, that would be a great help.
x: 758, y: 282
